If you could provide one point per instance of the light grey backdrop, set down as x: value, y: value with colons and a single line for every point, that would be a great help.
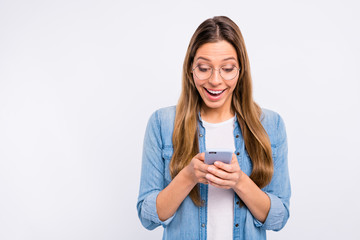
x: 79, y: 80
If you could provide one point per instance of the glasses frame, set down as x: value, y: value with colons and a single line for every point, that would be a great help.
x: 217, y: 69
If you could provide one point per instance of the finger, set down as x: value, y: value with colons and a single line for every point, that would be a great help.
x: 218, y: 186
x: 232, y: 167
x: 200, y: 156
x: 200, y: 165
x: 218, y: 172
x: 204, y: 181
x: 201, y: 175
x: 234, y: 158
x: 226, y: 167
x: 216, y: 180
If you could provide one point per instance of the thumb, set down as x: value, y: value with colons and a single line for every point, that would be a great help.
x: 200, y: 156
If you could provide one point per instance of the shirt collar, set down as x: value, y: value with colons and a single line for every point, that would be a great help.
x: 201, y: 121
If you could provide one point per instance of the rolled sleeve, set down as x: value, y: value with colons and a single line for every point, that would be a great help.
x: 149, y: 218
x: 277, y: 216
x: 279, y: 190
x: 152, y: 180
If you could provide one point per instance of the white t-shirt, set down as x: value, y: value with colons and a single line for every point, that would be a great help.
x: 220, y: 214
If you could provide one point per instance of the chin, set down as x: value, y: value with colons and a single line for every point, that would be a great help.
x: 213, y: 105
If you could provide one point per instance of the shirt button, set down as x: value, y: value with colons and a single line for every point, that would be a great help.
x: 237, y: 202
x: 237, y: 135
x: 200, y: 135
x: 203, y: 201
x: 203, y: 225
x: 236, y: 225
x: 238, y: 153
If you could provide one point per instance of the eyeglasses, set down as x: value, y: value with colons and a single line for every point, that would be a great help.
x: 227, y: 72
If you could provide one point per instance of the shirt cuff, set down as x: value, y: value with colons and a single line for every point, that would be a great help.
x: 150, y: 212
x: 276, y: 215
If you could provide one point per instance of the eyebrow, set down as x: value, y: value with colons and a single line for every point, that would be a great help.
x: 225, y: 59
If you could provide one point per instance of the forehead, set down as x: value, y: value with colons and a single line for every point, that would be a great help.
x: 216, y: 52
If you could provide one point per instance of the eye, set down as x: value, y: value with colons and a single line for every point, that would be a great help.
x: 204, y: 68
x: 228, y: 69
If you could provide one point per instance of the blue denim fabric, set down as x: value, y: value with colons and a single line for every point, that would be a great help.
x: 190, y: 221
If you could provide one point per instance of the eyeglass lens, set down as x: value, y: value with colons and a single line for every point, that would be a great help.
x: 228, y: 72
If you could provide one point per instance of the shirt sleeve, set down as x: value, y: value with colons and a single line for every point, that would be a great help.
x: 279, y: 190
x: 152, y: 179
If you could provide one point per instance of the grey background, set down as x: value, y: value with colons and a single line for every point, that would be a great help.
x: 79, y: 80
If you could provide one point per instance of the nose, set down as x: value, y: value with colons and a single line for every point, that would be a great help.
x: 215, y: 78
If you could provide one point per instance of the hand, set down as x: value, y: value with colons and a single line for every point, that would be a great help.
x: 224, y: 175
x: 197, y: 169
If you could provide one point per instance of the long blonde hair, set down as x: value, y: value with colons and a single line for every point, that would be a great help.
x: 185, y: 135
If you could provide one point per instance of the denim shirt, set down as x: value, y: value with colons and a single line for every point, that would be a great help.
x: 190, y: 221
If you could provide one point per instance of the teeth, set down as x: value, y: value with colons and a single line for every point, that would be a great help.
x: 215, y: 92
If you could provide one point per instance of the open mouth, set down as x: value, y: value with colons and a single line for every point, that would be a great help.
x: 215, y: 93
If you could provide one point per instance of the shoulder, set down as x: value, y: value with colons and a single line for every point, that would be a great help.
x: 273, y: 124
x: 164, y: 115
x: 166, y: 112
x: 162, y: 122
x: 269, y: 117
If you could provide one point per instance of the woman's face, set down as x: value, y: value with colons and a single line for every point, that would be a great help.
x: 215, y: 91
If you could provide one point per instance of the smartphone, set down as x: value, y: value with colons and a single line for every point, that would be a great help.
x: 222, y: 155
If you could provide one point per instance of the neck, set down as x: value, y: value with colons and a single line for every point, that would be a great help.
x: 216, y: 115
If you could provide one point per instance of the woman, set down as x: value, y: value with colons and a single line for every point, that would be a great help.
x: 193, y: 200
